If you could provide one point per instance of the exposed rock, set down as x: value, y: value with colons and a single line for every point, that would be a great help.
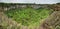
x: 52, y: 21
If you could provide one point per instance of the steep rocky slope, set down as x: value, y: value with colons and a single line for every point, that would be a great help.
x: 7, y: 23
x: 52, y: 21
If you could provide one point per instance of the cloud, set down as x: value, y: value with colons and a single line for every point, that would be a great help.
x: 47, y: 1
x: 31, y: 1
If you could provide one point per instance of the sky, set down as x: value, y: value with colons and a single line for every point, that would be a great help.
x: 31, y: 1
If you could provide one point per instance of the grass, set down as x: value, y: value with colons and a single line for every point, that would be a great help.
x: 28, y: 16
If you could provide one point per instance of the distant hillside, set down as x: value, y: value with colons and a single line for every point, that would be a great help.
x: 8, y: 6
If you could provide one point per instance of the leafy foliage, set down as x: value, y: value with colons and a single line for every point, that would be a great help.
x: 28, y: 16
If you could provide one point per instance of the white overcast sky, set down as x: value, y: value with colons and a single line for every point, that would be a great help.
x: 31, y: 1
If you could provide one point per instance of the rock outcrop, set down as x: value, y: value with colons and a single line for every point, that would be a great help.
x: 52, y: 21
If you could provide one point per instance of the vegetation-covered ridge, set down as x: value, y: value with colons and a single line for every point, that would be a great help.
x: 28, y: 16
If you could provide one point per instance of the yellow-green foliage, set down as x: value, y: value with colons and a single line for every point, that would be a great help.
x: 28, y: 16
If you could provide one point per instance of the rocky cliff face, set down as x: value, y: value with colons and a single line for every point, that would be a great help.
x: 6, y: 23
x: 53, y: 20
x: 19, y: 6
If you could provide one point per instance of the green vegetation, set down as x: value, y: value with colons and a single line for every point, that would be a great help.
x: 28, y: 16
